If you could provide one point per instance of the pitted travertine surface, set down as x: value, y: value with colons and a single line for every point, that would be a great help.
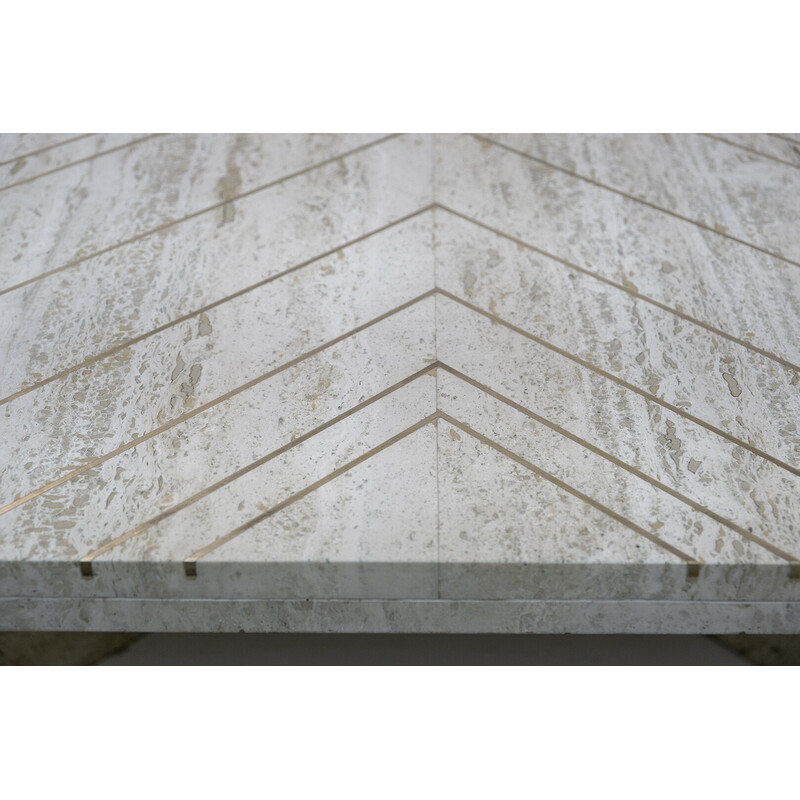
x: 504, y: 382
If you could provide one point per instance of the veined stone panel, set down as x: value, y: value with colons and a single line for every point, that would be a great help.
x: 378, y: 382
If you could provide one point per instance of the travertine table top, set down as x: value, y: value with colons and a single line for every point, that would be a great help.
x: 533, y: 382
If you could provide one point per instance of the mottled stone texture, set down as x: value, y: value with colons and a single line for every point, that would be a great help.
x: 367, y: 382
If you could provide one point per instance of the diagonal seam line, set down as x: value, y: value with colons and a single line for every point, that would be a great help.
x: 641, y: 392
x: 429, y: 293
x: 132, y: 143
x: 85, y: 562
x: 567, y: 488
x: 564, y: 262
x: 647, y: 203
x: 743, y: 532
x: 185, y: 317
x: 144, y: 234
x: 216, y: 401
x: 785, y: 138
x: 749, y: 149
x: 45, y: 149
x: 190, y: 562
x: 136, y: 339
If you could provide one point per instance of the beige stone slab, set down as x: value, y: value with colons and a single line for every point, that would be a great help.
x: 27, y: 168
x: 717, y: 561
x: 718, y: 381
x: 66, y: 423
x: 56, y: 324
x: 370, y: 532
x: 77, y: 212
x: 14, y: 146
x: 727, y: 189
x: 631, y: 496
x: 398, y: 616
x: 506, y: 532
x: 155, y: 555
x: 420, y: 382
x: 732, y: 288
x: 727, y: 479
x: 763, y: 143
x: 42, y: 539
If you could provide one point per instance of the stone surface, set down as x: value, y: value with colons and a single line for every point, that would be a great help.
x: 735, y: 193
x: 509, y: 383
x: 14, y: 146
x: 783, y: 150
x: 398, y: 616
x: 64, y: 155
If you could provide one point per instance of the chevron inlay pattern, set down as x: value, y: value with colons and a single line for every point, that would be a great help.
x: 419, y: 382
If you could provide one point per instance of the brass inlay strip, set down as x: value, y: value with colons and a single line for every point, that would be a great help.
x: 716, y: 331
x: 743, y: 532
x: 636, y: 199
x: 619, y: 381
x: 44, y: 149
x: 85, y: 562
x: 198, y: 213
x: 750, y: 150
x: 216, y: 401
x: 567, y: 488
x: 178, y: 320
x: 134, y: 340
x: 132, y: 143
x: 429, y: 293
x: 190, y: 563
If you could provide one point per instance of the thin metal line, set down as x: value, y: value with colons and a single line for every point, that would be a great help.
x: 136, y: 339
x: 567, y: 488
x: 619, y: 381
x: 743, y: 532
x: 190, y: 562
x: 44, y: 149
x: 716, y: 331
x: 647, y: 203
x: 294, y: 362
x: 785, y: 138
x: 206, y: 210
x: 85, y: 562
x: 194, y: 412
x: 81, y: 161
x: 749, y: 149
